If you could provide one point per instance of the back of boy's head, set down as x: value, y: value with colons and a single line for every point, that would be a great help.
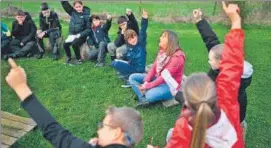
x: 129, y: 34
x: 122, y: 19
x: 129, y: 120
x: 96, y: 17
x: 20, y: 13
x: 218, y: 50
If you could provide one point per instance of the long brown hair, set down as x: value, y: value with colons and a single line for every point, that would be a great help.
x: 173, y: 42
x: 200, y: 94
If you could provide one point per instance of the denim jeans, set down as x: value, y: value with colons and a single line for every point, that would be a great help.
x: 160, y: 92
x: 124, y: 68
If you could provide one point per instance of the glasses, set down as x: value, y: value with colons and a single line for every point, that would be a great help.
x: 101, y: 125
x: 127, y: 136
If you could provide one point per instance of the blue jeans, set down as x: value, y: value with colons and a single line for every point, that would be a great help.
x: 160, y: 92
x: 123, y: 68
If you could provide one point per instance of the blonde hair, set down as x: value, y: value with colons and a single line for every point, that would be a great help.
x: 129, y: 120
x: 200, y: 94
x: 173, y: 42
x: 129, y: 34
x: 218, y: 50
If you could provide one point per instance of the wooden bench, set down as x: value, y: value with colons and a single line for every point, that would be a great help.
x: 14, y: 127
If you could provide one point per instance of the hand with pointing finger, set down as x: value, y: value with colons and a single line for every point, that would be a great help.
x: 16, y: 79
x: 232, y: 11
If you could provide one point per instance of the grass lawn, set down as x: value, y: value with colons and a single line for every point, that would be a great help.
x: 77, y: 96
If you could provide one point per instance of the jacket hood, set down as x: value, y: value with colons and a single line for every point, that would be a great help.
x: 86, y: 10
x: 248, y: 70
x: 28, y: 17
x: 222, y: 134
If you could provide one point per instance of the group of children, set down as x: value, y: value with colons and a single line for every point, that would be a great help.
x: 211, y: 100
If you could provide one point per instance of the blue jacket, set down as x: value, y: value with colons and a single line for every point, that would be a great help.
x: 4, y: 38
x: 79, y: 22
x: 136, y: 55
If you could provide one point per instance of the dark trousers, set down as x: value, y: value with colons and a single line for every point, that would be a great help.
x: 5, y: 47
x: 53, y: 36
x: 76, y: 44
x: 21, y: 51
x: 98, y: 53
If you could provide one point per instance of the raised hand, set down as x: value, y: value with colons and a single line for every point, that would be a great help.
x: 16, y: 79
x: 128, y: 11
x: 144, y: 14
x: 109, y: 17
x: 232, y: 11
x: 197, y: 15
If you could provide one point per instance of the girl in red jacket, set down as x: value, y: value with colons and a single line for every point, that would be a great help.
x: 152, y: 87
x: 210, y: 117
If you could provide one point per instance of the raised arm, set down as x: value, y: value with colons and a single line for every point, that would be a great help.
x: 132, y: 19
x: 106, y: 27
x: 231, y: 67
x: 207, y: 34
x: 67, y: 6
x: 143, y: 30
x: 52, y: 131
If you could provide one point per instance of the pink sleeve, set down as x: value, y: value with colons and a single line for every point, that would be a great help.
x: 172, y: 67
x: 151, y: 73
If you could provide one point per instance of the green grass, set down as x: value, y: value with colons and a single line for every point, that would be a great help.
x: 162, y: 9
x: 78, y: 96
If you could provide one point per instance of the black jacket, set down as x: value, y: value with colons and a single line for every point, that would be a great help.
x: 25, y: 32
x: 210, y: 39
x: 51, y: 23
x: 52, y: 131
x: 100, y: 33
x: 131, y: 24
x: 79, y: 22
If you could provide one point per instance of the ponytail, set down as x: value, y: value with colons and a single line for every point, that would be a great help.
x: 204, y: 116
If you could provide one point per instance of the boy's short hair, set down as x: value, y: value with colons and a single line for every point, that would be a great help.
x: 218, y: 50
x: 96, y: 17
x: 129, y: 120
x: 20, y: 13
x: 122, y: 19
x: 129, y: 34
x: 44, y: 6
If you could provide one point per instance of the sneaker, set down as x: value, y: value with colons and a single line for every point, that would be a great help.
x: 39, y: 56
x: 126, y: 85
x: 68, y: 61
x: 77, y: 62
x: 5, y: 57
x: 142, y: 104
x: 56, y: 57
x: 99, y: 64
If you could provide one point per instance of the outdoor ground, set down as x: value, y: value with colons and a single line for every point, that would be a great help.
x: 77, y: 96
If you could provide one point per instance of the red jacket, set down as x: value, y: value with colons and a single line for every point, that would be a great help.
x: 227, y: 86
x: 175, y: 66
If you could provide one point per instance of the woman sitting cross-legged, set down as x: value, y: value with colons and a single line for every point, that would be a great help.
x: 152, y: 87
